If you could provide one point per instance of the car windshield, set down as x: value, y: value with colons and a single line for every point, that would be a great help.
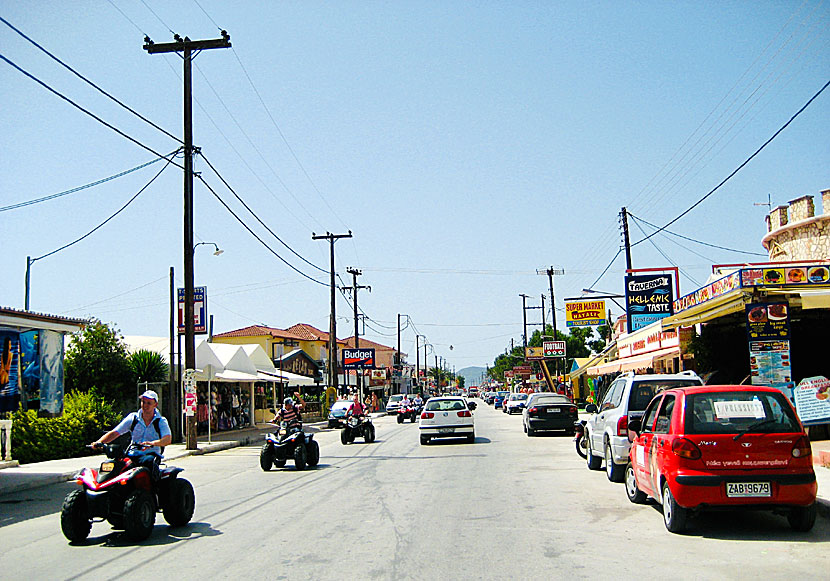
x: 735, y: 412
x: 642, y: 392
x: 445, y: 405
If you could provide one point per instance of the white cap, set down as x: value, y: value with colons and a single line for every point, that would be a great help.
x: 150, y: 394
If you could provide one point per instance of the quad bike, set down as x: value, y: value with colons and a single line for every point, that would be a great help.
x: 411, y: 413
x: 358, y: 426
x: 290, y: 443
x: 125, y: 494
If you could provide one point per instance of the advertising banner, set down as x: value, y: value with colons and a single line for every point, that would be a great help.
x: 812, y: 400
x: 554, y: 348
x: 50, y: 367
x: 358, y: 358
x: 9, y: 363
x: 767, y: 321
x: 200, y: 314
x: 768, y: 331
x: 585, y: 313
x: 648, y: 298
x: 795, y: 274
x: 534, y: 353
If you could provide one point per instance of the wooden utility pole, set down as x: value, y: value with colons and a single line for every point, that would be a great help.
x: 187, y: 47
x: 626, y: 241
x: 354, y: 288
x: 332, y: 238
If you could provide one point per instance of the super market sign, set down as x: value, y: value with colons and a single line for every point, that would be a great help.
x: 585, y: 313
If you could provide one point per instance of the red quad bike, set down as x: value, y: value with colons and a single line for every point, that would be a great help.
x: 408, y: 413
x: 125, y: 495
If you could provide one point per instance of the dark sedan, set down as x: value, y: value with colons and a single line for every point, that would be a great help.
x: 548, y: 411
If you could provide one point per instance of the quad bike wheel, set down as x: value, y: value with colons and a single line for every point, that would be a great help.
x: 139, y: 515
x: 313, y: 453
x: 266, y: 457
x: 300, y: 457
x: 344, y: 436
x: 181, y: 500
x: 75, y: 521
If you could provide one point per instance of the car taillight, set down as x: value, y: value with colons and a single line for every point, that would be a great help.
x: 427, y: 415
x: 802, y: 448
x: 685, y: 449
x: 573, y: 410
x: 533, y: 411
x: 465, y: 414
x: 622, y: 426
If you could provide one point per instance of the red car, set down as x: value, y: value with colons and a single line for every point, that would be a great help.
x: 722, y: 446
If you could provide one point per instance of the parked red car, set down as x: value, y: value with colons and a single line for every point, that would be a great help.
x: 722, y: 446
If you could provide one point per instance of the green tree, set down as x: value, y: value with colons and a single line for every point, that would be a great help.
x: 97, y: 361
x: 148, y: 366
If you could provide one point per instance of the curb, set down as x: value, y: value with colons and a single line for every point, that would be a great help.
x: 823, y: 508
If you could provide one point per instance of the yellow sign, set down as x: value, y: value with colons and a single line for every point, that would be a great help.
x: 533, y: 353
x: 585, y: 313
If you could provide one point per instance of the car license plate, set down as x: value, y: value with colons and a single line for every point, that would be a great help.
x: 748, y: 489
x: 446, y: 430
x: 553, y: 410
x: 107, y: 466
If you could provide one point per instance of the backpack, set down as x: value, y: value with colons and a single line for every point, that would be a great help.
x: 156, y: 422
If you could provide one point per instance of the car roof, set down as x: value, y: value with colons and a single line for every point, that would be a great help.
x: 449, y: 397
x: 722, y: 388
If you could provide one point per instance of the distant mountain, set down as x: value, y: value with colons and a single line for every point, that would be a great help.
x: 472, y: 375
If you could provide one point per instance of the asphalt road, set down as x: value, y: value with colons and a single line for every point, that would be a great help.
x: 506, y: 507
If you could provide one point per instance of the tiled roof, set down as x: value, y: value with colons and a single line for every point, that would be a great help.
x: 7, y: 311
x: 308, y: 332
x: 370, y: 344
x: 259, y: 331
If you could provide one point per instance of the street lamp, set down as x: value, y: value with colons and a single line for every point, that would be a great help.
x: 217, y: 251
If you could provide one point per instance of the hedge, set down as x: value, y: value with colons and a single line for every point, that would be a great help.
x: 85, y: 417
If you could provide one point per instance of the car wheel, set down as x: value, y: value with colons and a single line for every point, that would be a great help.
x: 524, y: 427
x: 139, y: 515
x: 633, y: 493
x: 75, y: 521
x: 594, y: 463
x: 424, y: 440
x: 614, y: 471
x: 530, y: 432
x: 181, y: 501
x: 266, y: 457
x: 313, y: 453
x: 471, y: 438
x: 802, y: 518
x: 674, y: 515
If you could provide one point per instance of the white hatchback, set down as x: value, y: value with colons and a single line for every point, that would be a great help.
x: 447, y: 417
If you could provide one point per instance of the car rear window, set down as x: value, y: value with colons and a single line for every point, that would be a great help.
x: 395, y: 398
x: 445, y: 405
x: 502, y: 393
x: 643, y: 392
x: 734, y: 412
x: 550, y: 400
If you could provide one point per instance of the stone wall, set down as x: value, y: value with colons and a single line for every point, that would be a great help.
x: 796, y: 233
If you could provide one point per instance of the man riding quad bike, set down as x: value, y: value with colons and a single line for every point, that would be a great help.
x: 358, y: 423
x: 290, y: 442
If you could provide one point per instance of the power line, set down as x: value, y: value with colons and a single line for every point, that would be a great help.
x: 158, y: 17
x: 258, y: 219
x: 260, y: 240
x: 91, y: 114
x: 606, y: 268
x: 739, y: 168
x: 169, y: 161
x: 90, y: 83
x: 79, y: 188
x: 694, y: 240
x: 670, y: 261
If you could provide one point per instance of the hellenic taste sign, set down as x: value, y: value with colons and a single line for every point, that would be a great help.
x: 648, y: 298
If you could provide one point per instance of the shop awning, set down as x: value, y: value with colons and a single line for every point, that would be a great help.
x: 603, y: 368
x: 811, y: 298
x: 285, y: 377
x: 729, y: 303
x: 646, y: 359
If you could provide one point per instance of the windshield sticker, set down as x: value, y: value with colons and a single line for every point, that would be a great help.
x: 739, y: 409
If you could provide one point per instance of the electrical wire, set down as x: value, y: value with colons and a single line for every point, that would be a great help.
x: 258, y: 219
x: 170, y: 30
x: 90, y: 113
x: 130, y: 201
x: 254, y: 234
x: 647, y: 223
x: 79, y: 188
x: 739, y: 168
x: 619, y: 250
x: 670, y: 261
x: 90, y: 83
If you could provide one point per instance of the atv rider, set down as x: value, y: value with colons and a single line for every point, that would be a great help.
x: 357, y: 408
x: 418, y: 401
x: 290, y: 413
x: 148, y: 428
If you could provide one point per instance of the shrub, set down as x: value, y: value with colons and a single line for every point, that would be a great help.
x: 85, y: 417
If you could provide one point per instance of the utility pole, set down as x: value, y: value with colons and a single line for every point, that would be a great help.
x: 332, y: 238
x: 524, y: 318
x: 187, y: 47
x: 417, y: 362
x: 626, y: 241
x: 398, y: 363
x: 355, y: 287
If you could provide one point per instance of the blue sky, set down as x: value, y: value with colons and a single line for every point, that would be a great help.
x: 465, y: 144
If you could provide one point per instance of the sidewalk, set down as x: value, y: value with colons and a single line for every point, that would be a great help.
x: 36, y: 475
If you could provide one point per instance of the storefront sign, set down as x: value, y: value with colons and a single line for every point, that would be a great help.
x: 769, y: 363
x: 711, y: 291
x: 648, y: 298
x: 358, y: 358
x: 554, y: 348
x: 767, y: 321
x: 646, y: 340
x: 199, y: 310
x: 793, y: 274
x: 522, y: 370
x: 585, y: 313
x: 534, y: 353
x: 812, y: 400
x: 189, y: 383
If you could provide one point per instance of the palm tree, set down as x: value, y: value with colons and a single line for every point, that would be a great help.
x: 148, y: 366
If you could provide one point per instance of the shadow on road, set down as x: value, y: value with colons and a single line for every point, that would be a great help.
x: 28, y: 504
x: 162, y: 535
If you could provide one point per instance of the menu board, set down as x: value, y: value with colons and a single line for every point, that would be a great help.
x: 795, y: 274
x: 812, y: 400
x: 768, y: 332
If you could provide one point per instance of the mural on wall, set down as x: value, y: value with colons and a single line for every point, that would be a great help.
x: 9, y: 365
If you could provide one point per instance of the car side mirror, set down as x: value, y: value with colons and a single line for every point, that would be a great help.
x: 591, y: 408
x: 635, y: 426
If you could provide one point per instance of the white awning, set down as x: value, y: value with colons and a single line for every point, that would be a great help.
x: 646, y: 359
